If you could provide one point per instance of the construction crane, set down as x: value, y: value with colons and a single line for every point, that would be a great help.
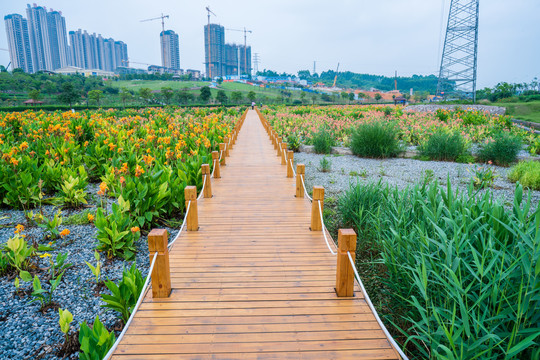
x: 162, y: 17
x: 10, y: 61
x: 245, y: 45
x: 209, y: 47
x: 335, y: 78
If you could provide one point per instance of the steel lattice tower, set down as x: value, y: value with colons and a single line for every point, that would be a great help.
x: 457, y: 76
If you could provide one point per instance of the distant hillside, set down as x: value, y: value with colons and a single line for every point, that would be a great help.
x: 366, y: 81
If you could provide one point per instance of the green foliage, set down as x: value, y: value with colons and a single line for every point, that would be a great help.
x: 19, y: 188
x: 462, y: 272
x: 444, y: 146
x: 44, y: 296
x: 16, y: 253
x: 72, y: 192
x: 503, y: 150
x: 222, y: 97
x: 51, y: 225
x: 69, y: 94
x: 325, y: 165
x: 145, y: 94
x: 483, y: 177
x: 323, y: 141
x: 95, y: 95
x: 115, y: 233
x: 527, y: 173
x: 58, y: 265
x: 375, y: 140
x: 124, y: 296
x: 205, y: 94
x: 64, y: 320
x: 79, y: 218
x: 95, y: 342
x: 465, y: 159
x: 293, y: 142
x: 96, y: 270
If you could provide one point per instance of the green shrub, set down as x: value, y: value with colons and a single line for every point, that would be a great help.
x: 375, y: 140
x: 444, y: 146
x: 293, y: 142
x: 95, y: 342
x: 461, y: 271
x: 325, y: 165
x: 323, y: 142
x: 124, y: 296
x: 527, y: 173
x: 503, y: 150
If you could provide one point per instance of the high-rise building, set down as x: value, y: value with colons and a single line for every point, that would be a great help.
x: 224, y: 59
x: 89, y: 51
x: 170, y: 50
x: 38, y: 30
x: 214, y: 45
x: 121, y: 54
x: 58, y: 39
x: 18, y: 42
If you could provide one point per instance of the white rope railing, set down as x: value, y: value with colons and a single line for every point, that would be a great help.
x: 213, y: 169
x: 304, y: 186
x: 292, y: 167
x: 139, y: 301
x: 324, y: 230
x: 202, y: 189
x: 181, y: 227
x: 370, y: 304
x: 220, y: 155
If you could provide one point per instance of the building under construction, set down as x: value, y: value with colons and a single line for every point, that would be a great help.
x: 223, y: 59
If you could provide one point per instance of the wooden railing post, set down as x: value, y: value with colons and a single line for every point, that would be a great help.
x: 318, y: 195
x: 222, y: 154
x: 300, y: 171
x: 290, y: 163
x: 161, y: 275
x: 345, y: 272
x: 192, y: 220
x: 283, y: 153
x: 227, y: 146
x: 205, y: 169
x: 278, y: 146
x: 215, y: 159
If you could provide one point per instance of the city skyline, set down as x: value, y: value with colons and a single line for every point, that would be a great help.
x: 365, y: 37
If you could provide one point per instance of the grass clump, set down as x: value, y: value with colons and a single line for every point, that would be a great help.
x: 527, y: 173
x: 460, y: 270
x: 443, y: 146
x: 375, y: 140
x: 323, y: 142
x: 502, y: 150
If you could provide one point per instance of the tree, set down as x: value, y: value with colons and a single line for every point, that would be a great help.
x: 236, y: 96
x: 34, y: 94
x: 251, y: 96
x: 344, y: 95
x: 221, y: 97
x: 378, y: 97
x: 351, y: 96
x: 125, y: 94
x: 220, y: 81
x: 68, y: 95
x: 206, y: 94
x: 314, y: 98
x: 184, y: 96
x: 302, y: 96
x: 145, y: 94
x: 95, y: 95
x: 167, y: 94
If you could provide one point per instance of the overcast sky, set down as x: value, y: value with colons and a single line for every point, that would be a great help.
x: 365, y: 36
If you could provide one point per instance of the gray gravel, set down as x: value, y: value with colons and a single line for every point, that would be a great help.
x: 29, y: 334
x: 497, y: 110
x: 348, y: 169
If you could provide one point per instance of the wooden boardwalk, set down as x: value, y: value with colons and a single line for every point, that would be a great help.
x: 254, y: 282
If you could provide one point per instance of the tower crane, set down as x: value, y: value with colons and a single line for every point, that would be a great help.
x: 209, y: 47
x: 245, y: 31
x: 162, y: 17
x: 335, y: 78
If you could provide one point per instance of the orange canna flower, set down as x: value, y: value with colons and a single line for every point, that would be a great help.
x: 65, y: 232
x: 135, y: 229
x: 90, y: 218
x: 19, y: 228
x: 138, y: 171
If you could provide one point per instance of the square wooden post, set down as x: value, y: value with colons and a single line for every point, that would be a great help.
x: 290, y: 164
x: 205, y: 169
x: 227, y: 147
x: 215, y: 159
x: 283, y: 153
x: 222, y: 154
x: 345, y: 272
x: 318, y: 195
x: 161, y: 276
x: 278, y: 146
x: 300, y: 171
x: 192, y: 220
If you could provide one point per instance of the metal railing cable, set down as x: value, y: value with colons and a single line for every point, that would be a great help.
x: 324, y: 230
x: 370, y: 304
x: 139, y: 301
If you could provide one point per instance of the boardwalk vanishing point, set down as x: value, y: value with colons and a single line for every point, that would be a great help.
x: 253, y: 281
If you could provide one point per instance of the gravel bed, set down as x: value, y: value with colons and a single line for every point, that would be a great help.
x: 348, y: 169
x: 29, y: 334
x: 497, y: 110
